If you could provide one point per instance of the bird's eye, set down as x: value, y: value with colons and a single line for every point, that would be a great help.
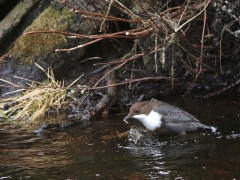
x: 137, y: 111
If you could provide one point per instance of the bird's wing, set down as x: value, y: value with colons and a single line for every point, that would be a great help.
x: 171, y: 114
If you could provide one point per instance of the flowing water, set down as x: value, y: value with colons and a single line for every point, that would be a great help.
x: 99, y: 149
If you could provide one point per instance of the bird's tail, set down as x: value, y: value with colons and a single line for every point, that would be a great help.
x: 214, y: 129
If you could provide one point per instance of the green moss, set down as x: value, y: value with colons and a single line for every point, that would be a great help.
x: 30, y: 46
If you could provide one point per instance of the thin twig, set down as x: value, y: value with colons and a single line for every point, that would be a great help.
x: 109, y: 73
x: 131, y: 81
x: 79, y: 46
x: 193, y: 16
x: 202, y: 44
x: 105, y: 17
x: 183, y: 13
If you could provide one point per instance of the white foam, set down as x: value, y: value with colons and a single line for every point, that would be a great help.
x: 214, y: 129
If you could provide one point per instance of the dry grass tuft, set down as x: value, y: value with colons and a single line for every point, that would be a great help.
x: 38, y: 98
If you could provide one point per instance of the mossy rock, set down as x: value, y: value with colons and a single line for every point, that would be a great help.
x: 40, y: 48
x: 30, y: 46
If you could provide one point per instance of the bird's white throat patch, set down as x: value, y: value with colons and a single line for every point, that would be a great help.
x: 151, y: 122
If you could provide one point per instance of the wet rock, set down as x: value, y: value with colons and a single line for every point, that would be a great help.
x: 15, y: 16
x: 142, y: 137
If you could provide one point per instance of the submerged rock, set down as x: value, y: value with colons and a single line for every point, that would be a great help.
x: 142, y: 137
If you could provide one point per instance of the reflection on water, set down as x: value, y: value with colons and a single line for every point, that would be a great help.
x: 78, y: 150
x: 171, y: 156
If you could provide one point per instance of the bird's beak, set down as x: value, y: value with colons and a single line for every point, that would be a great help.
x: 126, y: 118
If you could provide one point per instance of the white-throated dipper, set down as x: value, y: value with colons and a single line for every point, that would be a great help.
x: 162, y: 117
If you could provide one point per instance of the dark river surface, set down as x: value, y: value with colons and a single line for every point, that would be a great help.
x: 98, y: 149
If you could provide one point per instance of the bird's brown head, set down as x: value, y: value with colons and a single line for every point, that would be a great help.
x: 138, y: 108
